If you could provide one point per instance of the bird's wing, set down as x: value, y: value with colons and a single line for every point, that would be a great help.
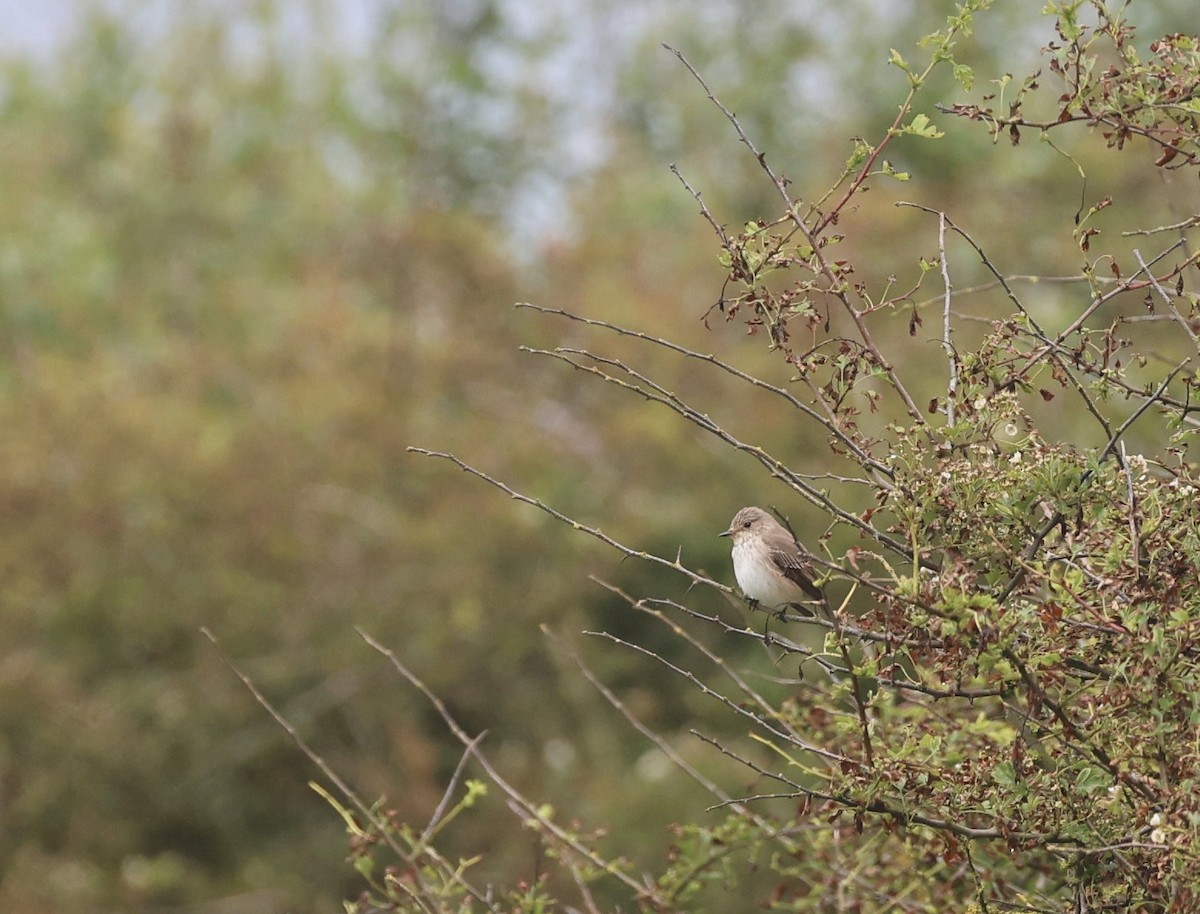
x: 794, y: 566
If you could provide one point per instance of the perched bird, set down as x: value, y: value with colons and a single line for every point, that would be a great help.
x: 769, y: 565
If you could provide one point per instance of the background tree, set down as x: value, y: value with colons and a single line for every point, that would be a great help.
x: 248, y: 261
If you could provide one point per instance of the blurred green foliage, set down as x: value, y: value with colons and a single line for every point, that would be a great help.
x: 234, y: 286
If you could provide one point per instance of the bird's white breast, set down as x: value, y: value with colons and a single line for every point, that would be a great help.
x: 759, y: 580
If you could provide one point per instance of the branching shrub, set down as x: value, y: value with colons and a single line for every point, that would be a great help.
x: 1001, y: 710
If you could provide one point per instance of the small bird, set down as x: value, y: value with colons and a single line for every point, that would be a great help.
x: 769, y: 564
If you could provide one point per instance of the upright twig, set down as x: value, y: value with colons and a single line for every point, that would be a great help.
x: 528, y: 808
x: 947, y: 328
x: 1168, y: 300
x: 381, y: 827
x: 812, y: 233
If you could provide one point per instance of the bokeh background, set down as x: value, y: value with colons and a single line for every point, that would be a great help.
x: 250, y: 251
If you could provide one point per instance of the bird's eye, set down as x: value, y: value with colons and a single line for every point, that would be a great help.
x: 746, y: 525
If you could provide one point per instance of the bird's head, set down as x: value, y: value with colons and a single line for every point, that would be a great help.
x: 748, y: 521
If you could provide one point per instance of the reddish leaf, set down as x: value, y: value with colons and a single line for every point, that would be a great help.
x: 1168, y: 153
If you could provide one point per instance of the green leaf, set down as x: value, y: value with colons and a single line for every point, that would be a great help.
x: 1091, y: 780
x: 861, y: 151
x: 920, y: 126
x: 1005, y: 774
x: 365, y: 865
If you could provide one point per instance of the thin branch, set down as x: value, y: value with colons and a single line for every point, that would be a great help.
x: 666, y: 748
x: 451, y: 788
x: 704, y: 211
x: 313, y: 757
x: 779, y: 834
x: 886, y: 638
x: 1134, y: 536
x: 812, y: 234
x: 1174, y: 227
x: 658, y: 394
x: 737, y: 708
x: 1128, y: 285
x: 1168, y: 300
x: 947, y: 328
x: 845, y: 440
x: 878, y: 807
x: 675, y: 565
x: 528, y: 808
x: 589, y: 902
x: 860, y: 701
x: 380, y: 826
x: 1010, y: 278
x: 1012, y: 297
x: 1137, y: 413
x: 759, y: 156
x: 1119, y: 124
x: 644, y: 606
x: 980, y: 892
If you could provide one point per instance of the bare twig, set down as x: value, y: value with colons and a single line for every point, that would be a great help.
x: 665, y: 747
x: 980, y: 891
x: 790, y: 646
x: 1168, y: 300
x: 762, y: 720
x: 1174, y: 227
x: 864, y: 458
x: 1128, y: 285
x: 1039, y: 333
x: 645, y: 606
x: 860, y: 699
x: 451, y: 788
x: 811, y: 234
x: 674, y: 565
x: 1134, y: 536
x: 759, y: 156
x: 704, y: 211
x: 947, y: 329
x: 658, y: 394
x: 531, y: 810
x: 877, y: 807
x: 369, y: 815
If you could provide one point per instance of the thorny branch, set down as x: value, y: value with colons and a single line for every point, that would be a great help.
x: 780, y: 470
x: 812, y: 234
x: 528, y: 808
x: 864, y: 458
x: 381, y: 827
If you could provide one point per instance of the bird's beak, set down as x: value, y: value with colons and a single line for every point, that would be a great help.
x: 725, y: 533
